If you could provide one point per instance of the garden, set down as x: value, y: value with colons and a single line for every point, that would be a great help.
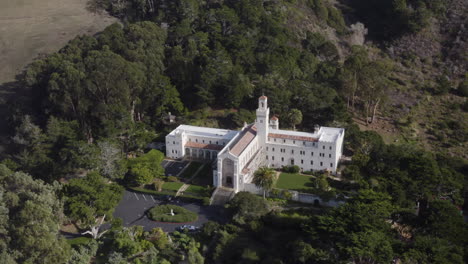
x: 171, y: 213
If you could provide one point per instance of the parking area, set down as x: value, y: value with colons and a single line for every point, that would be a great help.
x: 133, y: 206
x: 173, y: 167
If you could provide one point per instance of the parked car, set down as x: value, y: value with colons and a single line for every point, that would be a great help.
x: 189, y: 228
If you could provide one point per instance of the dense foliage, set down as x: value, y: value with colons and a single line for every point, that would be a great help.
x: 388, y: 19
x: 91, y: 197
x: 30, y: 214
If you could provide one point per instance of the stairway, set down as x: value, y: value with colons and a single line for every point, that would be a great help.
x: 221, y: 196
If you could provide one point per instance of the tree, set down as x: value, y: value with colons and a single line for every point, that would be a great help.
x: 295, y: 117
x: 264, y: 178
x: 30, y: 215
x: 90, y: 197
x: 352, y: 73
x: 146, y: 167
x: 110, y: 160
x: 246, y: 206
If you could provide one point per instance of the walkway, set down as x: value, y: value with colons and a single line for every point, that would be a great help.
x: 221, y: 196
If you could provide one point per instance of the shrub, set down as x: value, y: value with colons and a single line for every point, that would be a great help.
x: 286, y: 195
x: 161, y: 213
x: 206, y: 201
x: 291, y: 169
x: 158, y: 184
x: 172, y: 179
x: 463, y: 88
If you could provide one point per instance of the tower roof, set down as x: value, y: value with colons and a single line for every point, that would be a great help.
x: 274, y: 118
x: 263, y: 97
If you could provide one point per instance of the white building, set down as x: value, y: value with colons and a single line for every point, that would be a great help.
x: 239, y: 154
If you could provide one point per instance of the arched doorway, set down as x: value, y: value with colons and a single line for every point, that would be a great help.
x: 228, y: 173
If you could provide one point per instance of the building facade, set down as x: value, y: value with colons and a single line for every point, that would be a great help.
x: 238, y: 154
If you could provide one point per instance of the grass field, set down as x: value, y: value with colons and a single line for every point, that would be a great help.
x: 295, y: 182
x: 29, y: 28
x: 198, y: 190
x: 172, y: 186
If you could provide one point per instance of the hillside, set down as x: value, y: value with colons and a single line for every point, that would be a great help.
x: 29, y: 28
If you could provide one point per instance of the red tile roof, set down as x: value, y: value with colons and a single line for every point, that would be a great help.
x: 274, y: 118
x: 203, y: 146
x: 283, y: 136
x: 263, y: 97
x: 244, y: 140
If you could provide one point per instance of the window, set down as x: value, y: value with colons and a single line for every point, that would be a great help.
x: 303, y: 143
x: 203, y: 141
x: 311, y: 162
x: 210, y: 141
x: 330, y: 147
x: 284, y: 140
x: 292, y: 161
x: 173, y: 142
x: 196, y: 140
x: 323, y: 147
x: 302, y: 161
x: 261, y: 121
x: 329, y: 155
x: 282, y: 158
x: 216, y: 142
x: 172, y: 151
x: 267, y: 157
x: 294, y: 141
x: 273, y: 149
x: 190, y: 139
x: 275, y: 139
x: 292, y: 151
x: 331, y: 165
x: 267, y: 148
x: 313, y: 144
x: 321, y: 163
x: 263, y: 104
x: 312, y: 154
x: 272, y: 157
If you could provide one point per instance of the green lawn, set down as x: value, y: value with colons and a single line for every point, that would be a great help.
x: 79, y: 241
x: 297, y: 182
x: 191, y: 169
x: 172, y: 186
x: 198, y: 190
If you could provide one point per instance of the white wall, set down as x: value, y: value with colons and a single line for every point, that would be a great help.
x: 308, y: 156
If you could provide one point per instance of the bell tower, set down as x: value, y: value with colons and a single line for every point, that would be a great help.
x: 262, y: 120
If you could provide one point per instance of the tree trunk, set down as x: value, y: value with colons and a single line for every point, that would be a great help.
x: 354, y: 90
x: 367, y: 112
x: 374, y: 110
x: 264, y: 194
x: 132, y: 112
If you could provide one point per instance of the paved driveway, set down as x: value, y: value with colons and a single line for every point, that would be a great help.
x: 172, y: 167
x: 133, y: 206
